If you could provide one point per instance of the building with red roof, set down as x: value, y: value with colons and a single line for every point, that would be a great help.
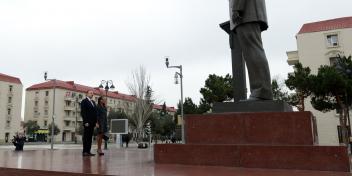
x: 160, y: 107
x: 68, y: 95
x: 327, y: 25
x: 319, y: 43
x: 9, y: 79
x: 10, y: 106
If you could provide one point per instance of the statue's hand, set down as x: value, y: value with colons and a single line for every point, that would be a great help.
x: 236, y: 16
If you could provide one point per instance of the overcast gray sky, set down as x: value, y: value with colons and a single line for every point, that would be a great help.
x: 90, y: 40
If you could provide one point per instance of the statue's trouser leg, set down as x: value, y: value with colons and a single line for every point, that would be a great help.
x: 249, y: 35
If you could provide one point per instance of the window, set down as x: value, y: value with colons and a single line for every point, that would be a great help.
x: 36, y: 113
x: 46, y: 112
x: 45, y: 123
x: 68, y: 94
x: 46, y: 103
x: 36, y: 103
x: 7, y: 135
x: 46, y: 93
x: 36, y: 93
x: 10, y: 88
x: 80, y: 96
x: 9, y: 100
x: 332, y: 40
x: 8, y: 123
x: 9, y: 111
x: 67, y: 113
x: 67, y: 123
x: 333, y: 61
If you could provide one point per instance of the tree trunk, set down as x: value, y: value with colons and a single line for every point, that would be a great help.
x: 343, y: 117
x: 301, y: 102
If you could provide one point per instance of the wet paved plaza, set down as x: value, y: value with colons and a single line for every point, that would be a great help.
x: 118, y: 161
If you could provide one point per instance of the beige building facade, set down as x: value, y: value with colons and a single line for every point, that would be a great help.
x: 10, y: 107
x: 319, y: 43
x: 68, y: 95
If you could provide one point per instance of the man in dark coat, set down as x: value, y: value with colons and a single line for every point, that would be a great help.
x: 248, y: 20
x: 89, y: 116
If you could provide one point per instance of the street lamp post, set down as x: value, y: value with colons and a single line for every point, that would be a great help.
x: 76, y: 119
x: 107, y: 87
x: 176, y: 82
x: 53, y: 117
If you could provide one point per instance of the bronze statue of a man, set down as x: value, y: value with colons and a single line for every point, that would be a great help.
x: 248, y: 20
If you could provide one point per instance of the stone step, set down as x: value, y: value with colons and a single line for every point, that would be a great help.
x: 271, y: 128
x: 322, y: 158
x: 252, y: 106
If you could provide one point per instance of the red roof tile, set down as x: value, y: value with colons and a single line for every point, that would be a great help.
x: 338, y: 23
x: 70, y: 85
x: 160, y: 107
x: 10, y: 79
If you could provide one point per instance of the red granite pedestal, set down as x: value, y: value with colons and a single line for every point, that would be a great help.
x: 274, y: 140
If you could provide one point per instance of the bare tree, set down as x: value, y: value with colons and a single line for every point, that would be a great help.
x: 139, y: 86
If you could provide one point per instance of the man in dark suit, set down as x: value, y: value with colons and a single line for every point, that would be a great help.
x: 89, y: 116
x: 248, y: 20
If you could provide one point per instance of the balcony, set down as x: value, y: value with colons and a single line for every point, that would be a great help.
x: 70, y: 117
x: 69, y: 128
x: 292, y: 57
x: 36, y: 115
x: 68, y: 98
x: 9, y: 105
x: 10, y: 94
x: 69, y: 108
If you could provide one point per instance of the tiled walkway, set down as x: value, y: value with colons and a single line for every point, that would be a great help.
x: 124, y: 162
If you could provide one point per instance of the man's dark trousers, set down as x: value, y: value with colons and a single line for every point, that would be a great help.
x: 87, y: 138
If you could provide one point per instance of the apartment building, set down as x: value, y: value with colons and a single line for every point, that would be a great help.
x: 169, y: 110
x: 319, y: 43
x: 68, y: 95
x: 10, y: 107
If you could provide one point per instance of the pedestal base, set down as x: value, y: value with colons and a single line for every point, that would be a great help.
x: 322, y: 158
x: 271, y: 140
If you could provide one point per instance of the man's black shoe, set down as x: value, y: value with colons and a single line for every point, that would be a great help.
x: 88, y: 154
